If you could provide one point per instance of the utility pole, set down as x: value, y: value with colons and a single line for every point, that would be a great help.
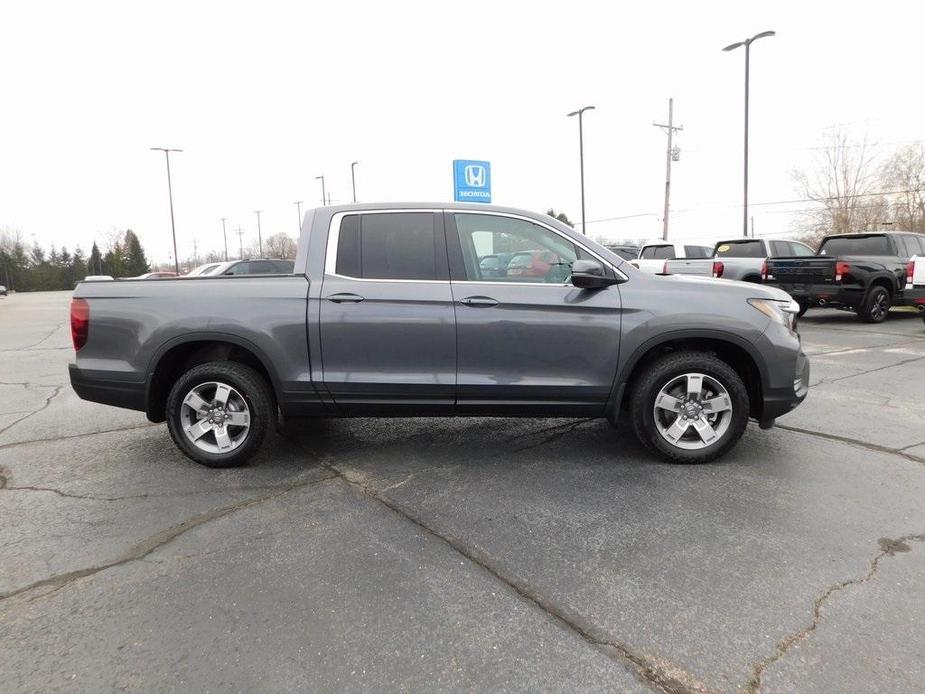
x: 259, y: 234
x: 353, y: 180
x: 324, y: 196
x: 669, y: 128
x: 195, y: 252
x: 225, y: 236
x: 581, y: 159
x: 241, y: 242
x: 298, y: 205
x: 329, y: 199
x: 173, y: 226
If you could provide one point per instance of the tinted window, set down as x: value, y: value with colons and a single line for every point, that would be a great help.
x: 800, y: 249
x: 625, y: 252
x: 856, y: 245
x: 698, y: 251
x: 504, y: 249
x: 261, y: 267
x: 921, y: 241
x: 657, y: 252
x: 393, y: 246
x: 908, y: 246
x: 283, y: 267
x: 740, y: 249
x: 239, y: 269
x: 348, y: 247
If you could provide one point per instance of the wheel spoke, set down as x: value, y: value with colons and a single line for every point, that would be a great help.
x: 718, y: 404
x: 667, y: 402
x: 706, y: 431
x: 198, y: 430
x: 222, y: 438
x: 238, y: 419
x: 221, y: 394
x: 694, y: 385
x: 676, y: 430
x: 194, y: 401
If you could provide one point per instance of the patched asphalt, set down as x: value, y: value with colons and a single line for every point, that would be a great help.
x: 454, y: 554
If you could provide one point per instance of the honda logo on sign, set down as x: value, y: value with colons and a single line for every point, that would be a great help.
x: 471, y: 181
x: 475, y: 176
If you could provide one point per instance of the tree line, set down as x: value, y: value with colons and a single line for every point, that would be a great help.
x: 35, y: 269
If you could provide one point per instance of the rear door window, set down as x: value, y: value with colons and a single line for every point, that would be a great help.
x: 698, y: 251
x: 388, y: 246
x: 874, y: 244
x: 657, y: 253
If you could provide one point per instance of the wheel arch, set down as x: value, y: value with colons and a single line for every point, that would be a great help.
x: 180, y: 354
x: 740, y: 354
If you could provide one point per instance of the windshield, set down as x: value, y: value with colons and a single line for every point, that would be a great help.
x: 856, y: 245
x: 740, y: 249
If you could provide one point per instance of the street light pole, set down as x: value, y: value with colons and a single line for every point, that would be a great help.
x: 298, y: 205
x: 731, y: 47
x: 353, y: 180
x: 173, y: 226
x: 581, y: 159
x: 324, y: 196
x: 225, y: 236
x: 259, y: 235
x: 669, y: 128
x: 240, y: 242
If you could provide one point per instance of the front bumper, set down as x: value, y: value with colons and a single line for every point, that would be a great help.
x: 101, y: 387
x: 787, y: 382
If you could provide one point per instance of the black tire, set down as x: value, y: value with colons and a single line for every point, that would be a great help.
x: 804, y: 307
x: 876, y: 305
x: 255, y: 392
x: 661, y: 372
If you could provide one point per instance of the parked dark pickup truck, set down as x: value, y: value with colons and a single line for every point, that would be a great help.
x: 388, y: 312
x: 865, y: 273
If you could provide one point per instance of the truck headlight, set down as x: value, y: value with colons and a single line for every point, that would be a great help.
x: 781, y: 311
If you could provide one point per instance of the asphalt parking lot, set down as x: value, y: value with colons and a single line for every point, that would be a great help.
x: 444, y: 554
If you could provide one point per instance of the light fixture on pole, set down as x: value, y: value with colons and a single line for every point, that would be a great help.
x: 324, y: 196
x: 225, y: 236
x: 353, y: 180
x: 672, y: 155
x: 731, y: 47
x: 173, y: 226
x: 581, y: 159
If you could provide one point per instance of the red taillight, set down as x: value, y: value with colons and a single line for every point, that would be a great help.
x: 80, y: 322
x: 841, y: 269
x: 764, y: 270
x: 718, y: 268
x: 910, y: 270
x: 665, y: 268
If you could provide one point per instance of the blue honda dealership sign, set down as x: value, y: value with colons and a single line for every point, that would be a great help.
x: 471, y: 181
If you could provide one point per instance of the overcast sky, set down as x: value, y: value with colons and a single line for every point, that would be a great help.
x: 265, y: 96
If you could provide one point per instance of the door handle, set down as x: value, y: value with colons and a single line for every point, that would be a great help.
x: 345, y: 298
x: 484, y: 301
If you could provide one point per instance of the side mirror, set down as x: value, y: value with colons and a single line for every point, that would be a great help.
x: 589, y: 274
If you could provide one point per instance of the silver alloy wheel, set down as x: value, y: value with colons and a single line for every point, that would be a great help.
x: 692, y: 411
x: 215, y: 417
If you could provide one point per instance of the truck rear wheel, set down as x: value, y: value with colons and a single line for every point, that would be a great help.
x: 689, y: 407
x: 218, y: 413
x: 876, y: 305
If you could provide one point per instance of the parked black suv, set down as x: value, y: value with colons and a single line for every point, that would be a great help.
x: 865, y: 273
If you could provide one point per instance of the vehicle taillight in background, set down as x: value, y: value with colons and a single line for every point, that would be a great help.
x: 764, y: 270
x: 665, y: 268
x: 718, y: 268
x: 841, y: 269
x: 80, y: 322
x: 910, y: 270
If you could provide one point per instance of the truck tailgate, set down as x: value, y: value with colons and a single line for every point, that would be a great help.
x: 691, y: 266
x: 804, y: 270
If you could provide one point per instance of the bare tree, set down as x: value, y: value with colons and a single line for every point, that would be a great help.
x: 844, y: 183
x: 903, y: 174
x: 281, y: 246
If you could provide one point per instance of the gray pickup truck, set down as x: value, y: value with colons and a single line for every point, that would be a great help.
x: 388, y: 313
x: 738, y: 259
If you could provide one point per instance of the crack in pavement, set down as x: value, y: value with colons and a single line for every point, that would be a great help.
x: 56, y: 393
x: 52, y: 439
x: 36, y: 344
x: 870, y: 371
x: 4, y: 486
x: 154, y: 542
x: 855, y: 442
x: 888, y: 547
x: 555, y: 436
x: 653, y: 671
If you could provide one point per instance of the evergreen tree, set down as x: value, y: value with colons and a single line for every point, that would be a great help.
x: 135, y: 261
x: 95, y: 261
x: 78, y: 265
x: 37, y: 255
x: 114, y: 261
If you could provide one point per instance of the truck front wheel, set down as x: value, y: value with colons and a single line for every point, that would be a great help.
x: 689, y: 407
x: 218, y: 413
